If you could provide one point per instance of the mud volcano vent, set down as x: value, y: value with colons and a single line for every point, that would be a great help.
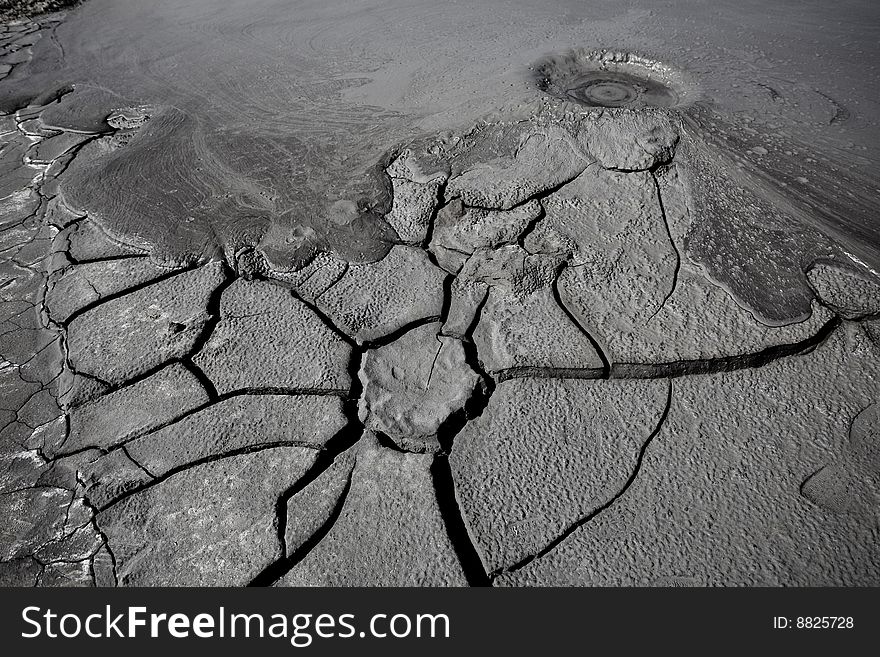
x: 604, y: 78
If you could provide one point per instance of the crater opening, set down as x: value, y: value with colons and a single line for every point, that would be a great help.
x: 603, y: 78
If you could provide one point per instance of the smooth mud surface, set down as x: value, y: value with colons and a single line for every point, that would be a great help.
x: 408, y: 293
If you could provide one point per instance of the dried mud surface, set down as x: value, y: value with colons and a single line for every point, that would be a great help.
x: 576, y: 318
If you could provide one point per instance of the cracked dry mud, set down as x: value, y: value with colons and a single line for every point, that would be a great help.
x: 521, y: 375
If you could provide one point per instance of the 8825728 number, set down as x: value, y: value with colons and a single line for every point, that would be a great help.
x: 824, y: 622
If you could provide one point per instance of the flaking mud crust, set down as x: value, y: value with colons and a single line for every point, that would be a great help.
x: 21, y: 9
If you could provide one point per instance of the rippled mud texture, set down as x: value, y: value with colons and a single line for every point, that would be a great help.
x: 123, y: 181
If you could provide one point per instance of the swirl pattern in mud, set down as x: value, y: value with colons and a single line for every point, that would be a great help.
x: 605, y: 78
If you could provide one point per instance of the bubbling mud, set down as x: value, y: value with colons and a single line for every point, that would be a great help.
x: 620, y: 90
x: 604, y: 78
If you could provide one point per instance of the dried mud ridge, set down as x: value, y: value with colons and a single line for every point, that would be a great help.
x: 535, y: 385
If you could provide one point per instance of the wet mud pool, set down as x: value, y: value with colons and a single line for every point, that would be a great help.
x: 400, y: 295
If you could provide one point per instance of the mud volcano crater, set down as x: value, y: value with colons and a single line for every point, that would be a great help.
x: 605, y: 78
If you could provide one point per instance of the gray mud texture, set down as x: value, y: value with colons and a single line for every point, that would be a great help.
x: 11, y: 10
x: 398, y: 295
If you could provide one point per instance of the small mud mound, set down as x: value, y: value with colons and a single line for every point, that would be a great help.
x: 603, y: 78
